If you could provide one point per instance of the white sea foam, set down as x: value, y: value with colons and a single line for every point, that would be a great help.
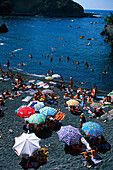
x: 36, y: 75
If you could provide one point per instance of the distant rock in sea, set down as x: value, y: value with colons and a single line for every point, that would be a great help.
x: 3, y: 28
x: 47, y: 8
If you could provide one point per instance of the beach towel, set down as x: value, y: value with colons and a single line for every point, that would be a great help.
x: 60, y: 116
x: 93, y: 93
x: 6, y: 79
x: 96, y: 160
x: 26, y: 99
x: 31, y: 81
x: 32, y: 164
x: 85, y: 163
x: 39, y: 82
x: 99, y: 97
x: 46, y: 86
x: 33, y: 92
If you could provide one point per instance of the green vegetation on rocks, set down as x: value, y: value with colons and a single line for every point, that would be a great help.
x: 109, y: 19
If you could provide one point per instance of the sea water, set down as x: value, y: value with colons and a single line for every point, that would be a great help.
x: 59, y: 38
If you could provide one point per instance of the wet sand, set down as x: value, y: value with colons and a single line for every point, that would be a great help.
x: 58, y: 159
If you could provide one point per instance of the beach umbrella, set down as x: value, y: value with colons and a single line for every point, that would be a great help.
x: 72, y: 102
x: 69, y: 135
x: 48, y: 111
x: 25, y: 112
x: 36, y: 119
x: 92, y: 129
x: 47, y: 91
x: 56, y: 76
x: 32, y: 103
x: 95, y: 105
x: 26, y: 145
x: 38, y: 106
x: 111, y: 94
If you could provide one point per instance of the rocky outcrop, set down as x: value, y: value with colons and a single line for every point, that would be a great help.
x: 6, y: 7
x: 108, y: 31
x: 3, y: 28
x: 49, y: 8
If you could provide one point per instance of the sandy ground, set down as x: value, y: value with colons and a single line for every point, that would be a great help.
x: 58, y: 159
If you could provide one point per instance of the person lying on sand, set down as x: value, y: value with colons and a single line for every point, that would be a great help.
x: 88, y: 159
x: 6, y: 94
x: 66, y: 96
x: 94, y: 152
x: 2, y: 102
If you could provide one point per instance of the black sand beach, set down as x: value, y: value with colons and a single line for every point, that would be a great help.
x: 58, y: 159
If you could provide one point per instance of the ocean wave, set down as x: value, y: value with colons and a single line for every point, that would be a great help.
x: 35, y: 75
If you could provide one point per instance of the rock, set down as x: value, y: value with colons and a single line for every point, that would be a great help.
x: 108, y: 31
x: 102, y: 33
x: 3, y: 28
x: 11, y: 131
x: 1, y: 113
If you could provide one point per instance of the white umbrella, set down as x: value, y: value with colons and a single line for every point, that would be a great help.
x: 26, y: 144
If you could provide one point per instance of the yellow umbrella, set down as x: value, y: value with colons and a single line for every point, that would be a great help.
x: 72, y: 103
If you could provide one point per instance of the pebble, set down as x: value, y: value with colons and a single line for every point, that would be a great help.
x: 11, y: 131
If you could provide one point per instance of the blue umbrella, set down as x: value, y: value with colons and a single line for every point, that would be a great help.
x: 38, y: 106
x: 69, y: 135
x: 92, y: 129
x: 48, y: 111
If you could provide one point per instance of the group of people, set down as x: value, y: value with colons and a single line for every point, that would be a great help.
x: 49, y: 124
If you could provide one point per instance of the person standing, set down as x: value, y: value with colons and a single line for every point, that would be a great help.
x: 8, y: 64
x: 71, y: 83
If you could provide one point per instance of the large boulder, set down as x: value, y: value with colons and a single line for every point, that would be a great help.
x: 3, y: 28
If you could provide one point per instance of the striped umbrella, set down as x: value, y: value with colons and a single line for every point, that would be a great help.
x: 69, y: 135
x: 48, y: 111
x: 36, y: 119
x: 111, y: 94
x: 95, y: 105
x: 92, y: 129
x: 72, y: 103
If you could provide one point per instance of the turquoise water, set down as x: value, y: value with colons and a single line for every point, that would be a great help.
x: 40, y: 36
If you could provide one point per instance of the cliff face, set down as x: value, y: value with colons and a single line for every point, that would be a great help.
x: 50, y: 8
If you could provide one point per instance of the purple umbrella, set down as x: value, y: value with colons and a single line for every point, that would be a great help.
x: 69, y: 135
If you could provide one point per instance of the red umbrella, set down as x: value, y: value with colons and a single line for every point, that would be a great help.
x: 26, y: 112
